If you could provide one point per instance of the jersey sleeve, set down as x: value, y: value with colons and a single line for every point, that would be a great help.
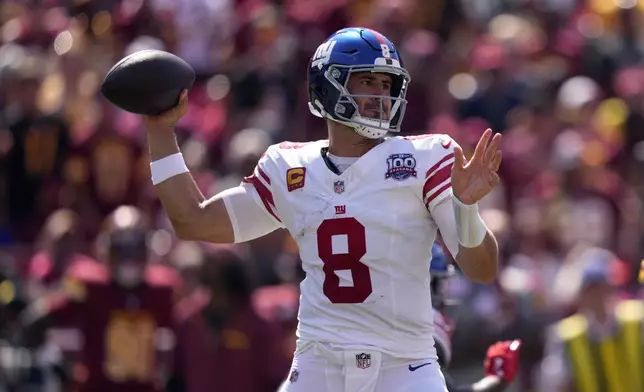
x: 443, y: 215
x: 436, y: 189
x: 438, y: 186
x: 251, y: 206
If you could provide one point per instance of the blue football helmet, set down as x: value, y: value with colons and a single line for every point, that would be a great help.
x: 441, y: 272
x: 352, y: 50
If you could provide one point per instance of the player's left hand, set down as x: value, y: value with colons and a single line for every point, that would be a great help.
x: 502, y: 360
x: 473, y: 179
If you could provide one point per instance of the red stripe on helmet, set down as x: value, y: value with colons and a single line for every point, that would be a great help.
x: 381, y: 38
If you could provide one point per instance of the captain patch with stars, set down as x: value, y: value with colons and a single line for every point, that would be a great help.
x: 401, y: 166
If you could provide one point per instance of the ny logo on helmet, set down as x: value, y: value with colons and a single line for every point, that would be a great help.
x: 323, y: 54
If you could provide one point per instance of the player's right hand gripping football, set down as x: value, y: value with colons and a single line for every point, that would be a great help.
x: 169, y: 118
x: 502, y: 360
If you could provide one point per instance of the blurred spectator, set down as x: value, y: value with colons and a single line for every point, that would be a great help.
x: 61, y: 244
x: 223, y: 342
x: 113, y: 317
x: 596, y: 326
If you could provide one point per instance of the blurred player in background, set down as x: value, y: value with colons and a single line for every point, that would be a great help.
x: 60, y: 246
x: 363, y: 209
x: 600, y: 347
x: 113, y: 319
x: 223, y: 343
x: 502, y: 360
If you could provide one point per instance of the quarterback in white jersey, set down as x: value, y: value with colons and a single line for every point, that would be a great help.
x: 362, y: 236
x: 364, y: 210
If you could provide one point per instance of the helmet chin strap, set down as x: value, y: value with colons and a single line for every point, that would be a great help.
x: 368, y: 132
x: 362, y: 130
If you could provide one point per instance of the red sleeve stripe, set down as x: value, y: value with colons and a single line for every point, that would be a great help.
x: 437, y: 180
x: 264, y: 194
x: 263, y: 175
x: 438, y: 165
x: 437, y: 193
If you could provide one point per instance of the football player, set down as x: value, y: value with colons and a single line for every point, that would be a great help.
x: 221, y: 335
x: 502, y: 360
x: 363, y: 209
x: 113, y: 319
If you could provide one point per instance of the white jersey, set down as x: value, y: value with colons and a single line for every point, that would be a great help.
x: 364, y: 236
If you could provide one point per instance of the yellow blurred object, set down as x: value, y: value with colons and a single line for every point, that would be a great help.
x: 234, y: 339
x: 608, y: 7
x: 603, y: 7
x: 7, y: 292
x: 74, y: 288
x: 641, y: 274
x: 609, y: 118
x: 609, y: 10
x: 51, y: 93
x: 101, y: 23
x: 630, y: 314
x: 594, y: 154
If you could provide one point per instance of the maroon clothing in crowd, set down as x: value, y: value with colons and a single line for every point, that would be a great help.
x: 120, y: 340
x: 243, y: 354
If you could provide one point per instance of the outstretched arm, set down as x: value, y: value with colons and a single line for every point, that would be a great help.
x: 469, y: 241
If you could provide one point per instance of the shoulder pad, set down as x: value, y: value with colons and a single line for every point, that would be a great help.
x: 433, y: 140
x: 88, y: 270
x: 286, y: 152
x: 40, y: 266
x: 161, y: 276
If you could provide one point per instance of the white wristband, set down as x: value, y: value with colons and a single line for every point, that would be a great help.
x: 470, y: 227
x: 167, y: 167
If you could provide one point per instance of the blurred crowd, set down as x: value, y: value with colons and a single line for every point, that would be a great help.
x: 562, y: 80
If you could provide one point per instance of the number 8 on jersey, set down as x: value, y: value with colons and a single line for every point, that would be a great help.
x: 355, y: 236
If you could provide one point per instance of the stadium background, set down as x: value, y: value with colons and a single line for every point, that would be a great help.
x: 561, y: 79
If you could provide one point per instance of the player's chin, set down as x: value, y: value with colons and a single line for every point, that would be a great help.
x: 376, y: 115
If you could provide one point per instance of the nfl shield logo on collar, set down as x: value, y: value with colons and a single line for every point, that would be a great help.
x: 338, y: 187
x: 363, y: 360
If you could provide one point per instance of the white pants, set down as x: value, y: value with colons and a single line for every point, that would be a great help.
x: 322, y: 369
